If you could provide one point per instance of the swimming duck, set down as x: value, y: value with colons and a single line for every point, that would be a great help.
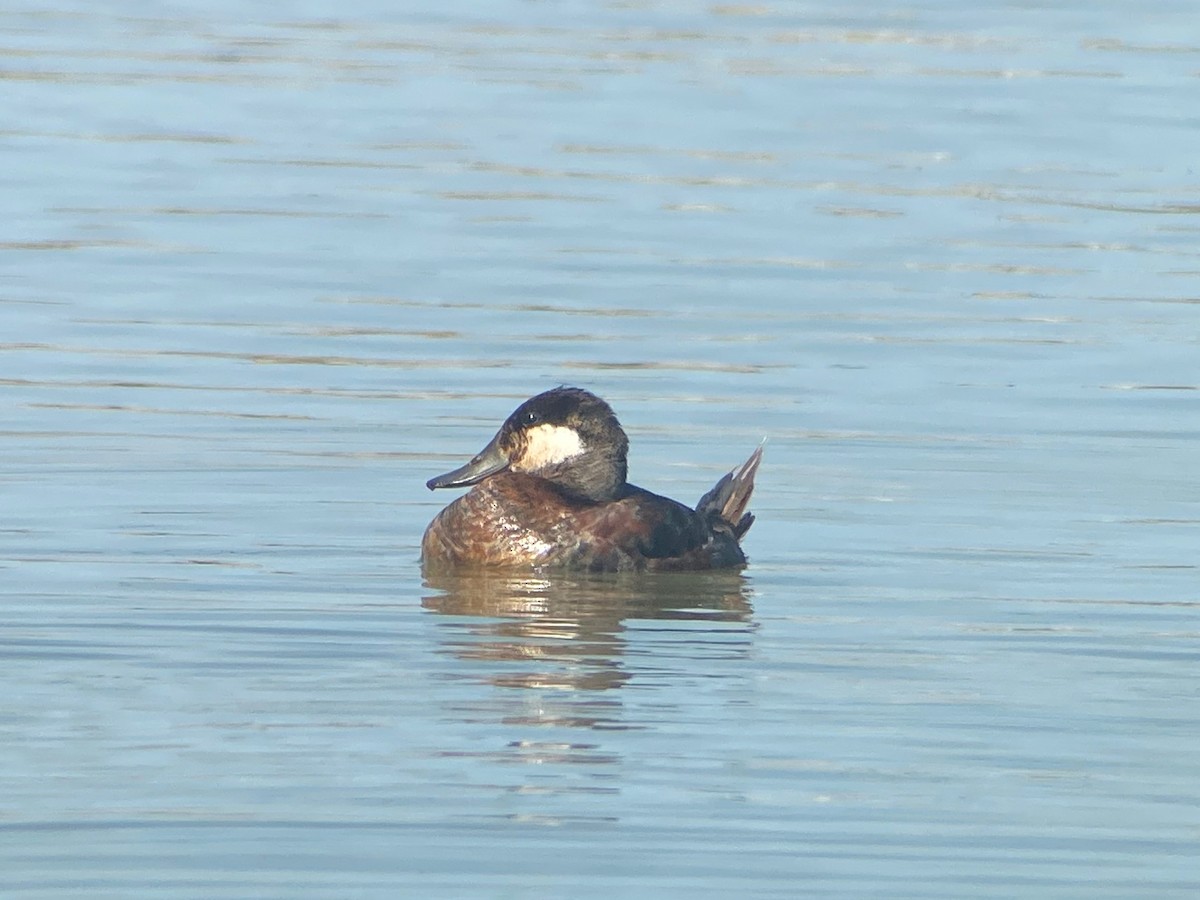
x: 549, y: 492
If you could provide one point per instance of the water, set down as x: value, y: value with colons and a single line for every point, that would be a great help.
x: 262, y: 274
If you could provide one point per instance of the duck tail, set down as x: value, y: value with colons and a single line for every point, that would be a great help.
x: 730, y: 496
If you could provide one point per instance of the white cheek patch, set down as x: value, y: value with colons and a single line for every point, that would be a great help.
x: 549, y: 445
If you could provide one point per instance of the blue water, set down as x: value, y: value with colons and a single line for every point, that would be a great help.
x: 263, y: 272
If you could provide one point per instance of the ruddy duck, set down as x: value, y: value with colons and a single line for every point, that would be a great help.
x: 549, y: 491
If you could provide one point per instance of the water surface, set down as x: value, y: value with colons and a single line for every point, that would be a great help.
x: 263, y: 274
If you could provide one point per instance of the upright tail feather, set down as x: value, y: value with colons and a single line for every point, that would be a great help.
x: 730, y: 496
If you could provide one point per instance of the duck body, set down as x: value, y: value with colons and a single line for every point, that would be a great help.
x: 550, y: 492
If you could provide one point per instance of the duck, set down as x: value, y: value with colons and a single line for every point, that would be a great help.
x: 550, y: 492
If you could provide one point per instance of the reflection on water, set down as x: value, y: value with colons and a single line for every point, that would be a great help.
x: 566, y: 641
x: 569, y: 632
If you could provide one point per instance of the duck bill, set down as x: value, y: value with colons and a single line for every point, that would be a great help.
x: 491, y: 459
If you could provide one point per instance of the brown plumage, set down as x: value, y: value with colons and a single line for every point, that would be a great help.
x: 549, y: 492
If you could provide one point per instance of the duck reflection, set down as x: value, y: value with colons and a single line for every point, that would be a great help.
x: 573, y: 633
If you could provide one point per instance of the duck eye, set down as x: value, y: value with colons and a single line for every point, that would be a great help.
x: 530, y: 418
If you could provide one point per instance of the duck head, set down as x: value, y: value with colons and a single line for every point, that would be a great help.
x: 567, y: 436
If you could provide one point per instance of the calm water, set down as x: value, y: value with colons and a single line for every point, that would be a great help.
x: 264, y: 272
